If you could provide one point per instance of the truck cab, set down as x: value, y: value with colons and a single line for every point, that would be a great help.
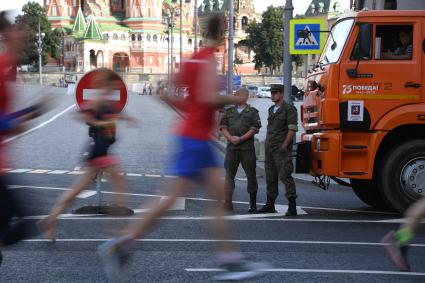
x: 364, y: 107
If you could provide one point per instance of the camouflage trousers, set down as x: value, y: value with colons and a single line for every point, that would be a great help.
x: 248, y: 160
x: 279, y: 166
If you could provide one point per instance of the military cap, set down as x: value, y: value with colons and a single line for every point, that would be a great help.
x: 276, y: 87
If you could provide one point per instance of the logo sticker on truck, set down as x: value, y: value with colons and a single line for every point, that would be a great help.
x: 360, y: 89
x: 355, y: 111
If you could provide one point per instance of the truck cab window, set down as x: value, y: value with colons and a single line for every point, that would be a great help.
x: 394, y: 42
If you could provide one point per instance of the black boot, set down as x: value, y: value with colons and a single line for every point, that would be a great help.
x: 228, y: 204
x: 268, y: 207
x: 252, y: 202
x: 292, y: 207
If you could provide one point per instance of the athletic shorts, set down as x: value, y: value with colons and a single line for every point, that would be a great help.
x: 191, y: 157
x: 98, y: 153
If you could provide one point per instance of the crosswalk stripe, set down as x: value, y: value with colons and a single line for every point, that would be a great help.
x: 58, y: 172
x: 38, y: 171
x: 19, y: 170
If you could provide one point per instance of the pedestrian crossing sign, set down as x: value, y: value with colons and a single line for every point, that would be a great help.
x: 306, y: 37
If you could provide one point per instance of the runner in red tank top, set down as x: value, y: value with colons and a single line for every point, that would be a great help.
x: 194, y: 158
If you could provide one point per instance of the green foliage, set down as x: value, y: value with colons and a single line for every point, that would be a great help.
x: 266, y: 39
x: 33, y: 14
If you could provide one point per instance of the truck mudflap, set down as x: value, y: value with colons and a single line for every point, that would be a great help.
x: 304, y: 157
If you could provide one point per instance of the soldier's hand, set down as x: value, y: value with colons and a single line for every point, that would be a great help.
x: 235, y: 140
x: 284, y: 148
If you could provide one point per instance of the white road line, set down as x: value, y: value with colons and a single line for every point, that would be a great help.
x: 153, y: 175
x: 76, y: 172
x: 19, y: 170
x: 169, y: 176
x: 232, y: 241
x: 86, y: 194
x: 40, y: 125
x: 58, y: 172
x: 376, y: 272
x: 133, y: 175
x: 39, y: 171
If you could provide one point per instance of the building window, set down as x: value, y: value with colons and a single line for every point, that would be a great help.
x: 115, y: 36
x: 123, y: 37
x: 54, y: 10
x: 133, y: 37
x: 244, y: 23
x: 189, y: 41
x: 137, y: 12
x: 149, y: 12
x: 105, y: 36
x: 148, y: 37
x: 155, y: 38
x: 116, y: 3
x: 150, y: 59
x: 139, y: 38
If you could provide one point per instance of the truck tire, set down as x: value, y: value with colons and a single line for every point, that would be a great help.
x: 368, y: 192
x: 402, y: 175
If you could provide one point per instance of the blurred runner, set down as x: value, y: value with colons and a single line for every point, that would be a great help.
x: 397, y: 242
x: 101, y: 115
x: 11, y: 231
x: 194, y: 160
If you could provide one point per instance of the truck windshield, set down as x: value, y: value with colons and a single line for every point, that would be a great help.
x: 340, y: 33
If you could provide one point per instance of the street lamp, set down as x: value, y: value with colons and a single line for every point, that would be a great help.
x: 169, y: 15
x: 39, y: 45
x: 181, y: 26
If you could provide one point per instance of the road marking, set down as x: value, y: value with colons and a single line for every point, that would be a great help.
x: 86, y: 194
x: 19, y: 170
x: 39, y: 171
x: 76, y: 172
x: 347, y: 271
x: 153, y: 175
x: 170, y: 176
x: 40, y: 125
x: 232, y: 241
x: 58, y: 172
x: 133, y: 175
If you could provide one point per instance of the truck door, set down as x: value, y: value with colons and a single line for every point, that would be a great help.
x: 381, y: 71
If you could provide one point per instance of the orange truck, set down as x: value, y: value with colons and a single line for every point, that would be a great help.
x: 364, y: 108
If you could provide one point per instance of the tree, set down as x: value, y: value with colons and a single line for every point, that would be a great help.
x: 33, y: 14
x: 266, y: 39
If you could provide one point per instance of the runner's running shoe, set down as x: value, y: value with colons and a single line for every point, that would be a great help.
x: 113, y: 259
x: 396, y: 254
x: 241, y: 270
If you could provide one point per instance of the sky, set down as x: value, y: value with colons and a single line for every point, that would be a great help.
x: 300, y: 6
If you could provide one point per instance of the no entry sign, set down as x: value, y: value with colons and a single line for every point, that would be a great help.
x: 88, y: 87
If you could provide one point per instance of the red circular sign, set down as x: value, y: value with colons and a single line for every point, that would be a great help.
x: 87, y: 87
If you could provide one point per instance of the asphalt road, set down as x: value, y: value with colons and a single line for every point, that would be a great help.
x: 336, y: 239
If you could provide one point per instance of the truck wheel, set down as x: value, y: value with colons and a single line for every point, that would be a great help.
x: 402, y: 176
x: 368, y: 192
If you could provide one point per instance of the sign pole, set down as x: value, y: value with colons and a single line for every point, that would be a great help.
x: 88, y: 84
x: 230, y: 50
x: 287, y: 76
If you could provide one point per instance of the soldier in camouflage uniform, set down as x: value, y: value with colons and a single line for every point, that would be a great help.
x: 281, y: 129
x: 239, y: 125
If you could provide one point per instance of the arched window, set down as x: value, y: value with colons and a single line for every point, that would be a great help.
x: 115, y: 36
x: 139, y: 37
x: 244, y: 22
x: 189, y: 41
x: 155, y: 38
x: 54, y: 10
x: 133, y: 37
x: 105, y: 36
x: 137, y: 12
x: 123, y: 37
x: 148, y: 37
